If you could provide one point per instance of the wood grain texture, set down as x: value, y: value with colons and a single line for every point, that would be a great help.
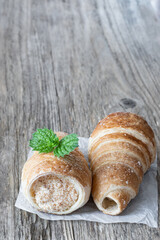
x: 65, y: 65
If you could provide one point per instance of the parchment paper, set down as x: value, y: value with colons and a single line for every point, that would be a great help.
x: 142, y: 209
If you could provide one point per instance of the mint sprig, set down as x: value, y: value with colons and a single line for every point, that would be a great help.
x: 45, y: 141
x: 66, y: 145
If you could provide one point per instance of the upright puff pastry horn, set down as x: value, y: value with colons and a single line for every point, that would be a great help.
x: 121, y: 149
x: 57, y: 185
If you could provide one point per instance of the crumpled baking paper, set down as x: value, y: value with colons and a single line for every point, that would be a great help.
x: 142, y: 209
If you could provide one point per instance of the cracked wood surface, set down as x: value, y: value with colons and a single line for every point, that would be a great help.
x: 65, y: 65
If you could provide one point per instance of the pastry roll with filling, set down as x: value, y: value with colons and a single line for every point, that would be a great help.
x: 57, y: 185
x: 121, y: 149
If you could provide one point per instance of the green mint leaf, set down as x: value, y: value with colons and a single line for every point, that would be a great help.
x: 66, y: 145
x: 44, y: 140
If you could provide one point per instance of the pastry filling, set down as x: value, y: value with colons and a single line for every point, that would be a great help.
x: 53, y: 194
x: 109, y: 204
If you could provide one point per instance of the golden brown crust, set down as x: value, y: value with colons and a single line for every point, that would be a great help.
x: 126, y: 120
x: 73, y: 166
x: 118, y: 146
x: 118, y: 157
x: 116, y: 174
x: 121, y: 149
x: 126, y: 137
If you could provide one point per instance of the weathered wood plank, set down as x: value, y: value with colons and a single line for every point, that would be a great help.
x: 65, y: 65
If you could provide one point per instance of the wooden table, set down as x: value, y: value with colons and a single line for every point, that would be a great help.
x: 65, y: 65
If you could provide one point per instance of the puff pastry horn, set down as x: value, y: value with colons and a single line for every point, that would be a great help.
x: 121, y: 149
x: 56, y: 185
